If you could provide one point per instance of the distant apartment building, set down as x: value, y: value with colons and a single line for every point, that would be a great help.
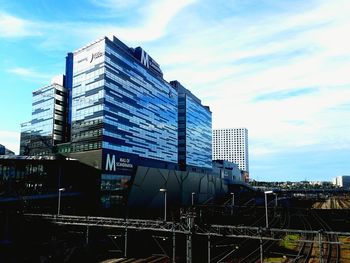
x: 342, y: 181
x: 231, y: 145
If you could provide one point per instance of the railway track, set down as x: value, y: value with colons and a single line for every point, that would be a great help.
x: 305, y: 251
x: 254, y: 256
x: 330, y: 252
x: 333, y: 203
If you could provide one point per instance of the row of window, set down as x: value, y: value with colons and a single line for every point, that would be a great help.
x: 79, y: 147
x: 87, y: 134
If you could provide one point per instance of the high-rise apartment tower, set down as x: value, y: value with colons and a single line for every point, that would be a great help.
x: 231, y: 145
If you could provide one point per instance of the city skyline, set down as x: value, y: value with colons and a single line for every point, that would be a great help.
x: 279, y: 69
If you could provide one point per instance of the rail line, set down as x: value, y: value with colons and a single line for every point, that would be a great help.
x: 305, y: 250
x: 330, y: 252
x: 265, y: 236
x: 255, y: 255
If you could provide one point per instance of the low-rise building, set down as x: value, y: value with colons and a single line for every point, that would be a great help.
x: 227, y: 170
x: 5, y: 151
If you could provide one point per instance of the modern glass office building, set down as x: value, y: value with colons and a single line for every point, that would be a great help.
x: 194, y: 131
x: 25, y: 138
x: 122, y: 109
x: 48, y: 124
x: 122, y: 105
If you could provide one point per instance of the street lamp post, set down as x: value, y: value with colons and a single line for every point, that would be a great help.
x: 233, y: 199
x: 192, y: 200
x: 232, y: 202
x: 276, y: 199
x: 267, y: 217
x: 59, y: 200
x: 164, y: 191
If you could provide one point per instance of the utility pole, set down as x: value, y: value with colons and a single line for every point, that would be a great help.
x: 232, y: 202
x: 163, y: 190
x: 87, y: 235
x: 261, y: 252
x: 59, y: 200
x: 189, y: 248
x: 190, y: 222
x: 267, y: 216
x: 276, y: 199
x: 261, y: 245
x: 320, y: 245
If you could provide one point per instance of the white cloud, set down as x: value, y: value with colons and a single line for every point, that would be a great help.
x: 152, y: 18
x: 12, y: 26
x: 29, y: 73
x: 157, y: 16
x: 21, y: 71
x: 150, y: 23
x: 10, y: 140
x: 230, y: 63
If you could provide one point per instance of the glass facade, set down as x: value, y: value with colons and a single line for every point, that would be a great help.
x: 48, y: 122
x: 194, y: 131
x: 140, y: 109
x: 122, y: 105
x: 25, y: 138
x: 42, y: 121
x: 87, y: 99
x: 118, y: 104
x: 198, y: 134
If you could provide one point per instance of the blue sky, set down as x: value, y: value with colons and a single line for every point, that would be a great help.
x: 279, y: 68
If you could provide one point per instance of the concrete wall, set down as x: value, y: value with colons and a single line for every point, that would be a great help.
x: 145, y: 187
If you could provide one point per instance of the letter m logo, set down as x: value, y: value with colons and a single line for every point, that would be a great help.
x: 144, y: 58
x: 110, y: 163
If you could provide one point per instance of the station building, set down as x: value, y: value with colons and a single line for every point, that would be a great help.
x: 31, y: 183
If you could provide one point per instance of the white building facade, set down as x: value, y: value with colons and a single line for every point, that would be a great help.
x: 231, y: 145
